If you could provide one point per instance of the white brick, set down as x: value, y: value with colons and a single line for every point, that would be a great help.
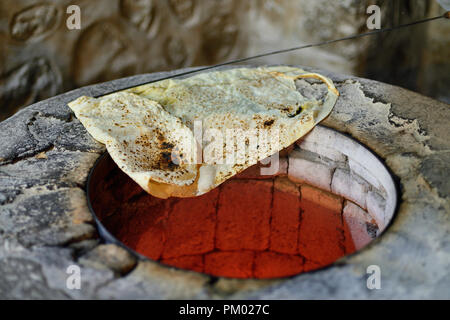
x: 376, y: 207
x: 356, y: 219
x: 322, y: 150
x: 364, y: 173
x: 322, y: 135
x: 314, y: 173
x: 347, y: 186
x: 356, y: 153
x: 354, y: 211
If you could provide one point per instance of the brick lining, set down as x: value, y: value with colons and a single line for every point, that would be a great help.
x: 246, y: 228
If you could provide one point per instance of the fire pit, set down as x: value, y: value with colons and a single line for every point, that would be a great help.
x: 322, y: 204
x: 47, y: 230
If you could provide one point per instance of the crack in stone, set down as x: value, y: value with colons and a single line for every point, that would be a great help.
x: 403, y: 122
x: 341, y: 242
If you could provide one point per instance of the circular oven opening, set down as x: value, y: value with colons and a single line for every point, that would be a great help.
x: 329, y: 198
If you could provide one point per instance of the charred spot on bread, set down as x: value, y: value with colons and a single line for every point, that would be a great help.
x: 268, y: 123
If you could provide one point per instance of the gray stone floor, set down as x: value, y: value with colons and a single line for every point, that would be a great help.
x: 45, y: 225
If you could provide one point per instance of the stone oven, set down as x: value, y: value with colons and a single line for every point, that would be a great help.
x: 368, y: 187
x: 329, y: 198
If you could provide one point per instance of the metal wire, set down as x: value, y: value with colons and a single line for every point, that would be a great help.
x: 317, y: 44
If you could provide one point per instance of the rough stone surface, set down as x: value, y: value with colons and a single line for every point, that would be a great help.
x: 45, y: 225
x: 109, y: 256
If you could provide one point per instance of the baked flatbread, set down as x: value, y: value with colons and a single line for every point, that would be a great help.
x: 153, y: 131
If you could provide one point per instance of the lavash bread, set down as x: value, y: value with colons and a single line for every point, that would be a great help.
x: 149, y: 130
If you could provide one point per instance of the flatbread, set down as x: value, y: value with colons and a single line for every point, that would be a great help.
x: 246, y: 115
